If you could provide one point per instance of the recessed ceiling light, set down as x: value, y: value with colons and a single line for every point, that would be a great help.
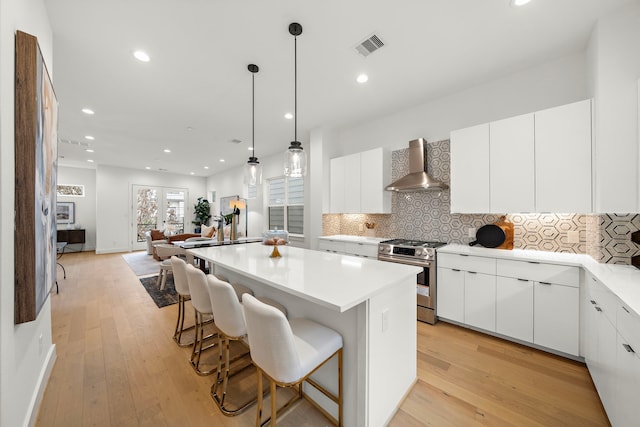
x: 90, y: 161
x: 88, y: 111
x: 206, y: 167
x: 221, y: 160
x: 192, y: 173
x: 189, y: 128
x: 89, y: 150
x: 147, y: 167
x: 141, y: 56
x: 89, y: 137
x: 166, y: 150
x: 362, y: 78
x: 250, y: 148
x: 519, y: 2
x: 288, y: 116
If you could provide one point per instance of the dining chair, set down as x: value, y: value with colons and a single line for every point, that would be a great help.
x: 182, y: 289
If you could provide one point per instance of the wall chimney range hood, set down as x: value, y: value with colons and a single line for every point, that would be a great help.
x: 418, y: 179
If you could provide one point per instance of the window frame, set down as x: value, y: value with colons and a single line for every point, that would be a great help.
x: 285, y: 205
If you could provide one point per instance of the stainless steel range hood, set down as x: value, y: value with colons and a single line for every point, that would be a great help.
x: 418, y: 179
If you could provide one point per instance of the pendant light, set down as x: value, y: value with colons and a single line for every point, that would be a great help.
x: 253, y: 170
x: 295, y: 159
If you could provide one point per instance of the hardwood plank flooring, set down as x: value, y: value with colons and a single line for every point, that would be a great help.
x: 118, y: 366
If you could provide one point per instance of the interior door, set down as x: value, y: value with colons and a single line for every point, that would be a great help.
x: 160, y: 208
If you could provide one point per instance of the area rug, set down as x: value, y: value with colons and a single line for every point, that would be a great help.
x: 162, y: 298
x: 141, y: 263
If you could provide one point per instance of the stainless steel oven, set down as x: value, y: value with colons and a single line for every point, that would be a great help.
x: 421, y: 254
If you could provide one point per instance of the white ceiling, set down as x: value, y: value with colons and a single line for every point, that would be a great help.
x: 197, y: 77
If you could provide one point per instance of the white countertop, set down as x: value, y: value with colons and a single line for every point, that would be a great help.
x: 335, y: 281
x: 622, y: 280
x: 355, y: 239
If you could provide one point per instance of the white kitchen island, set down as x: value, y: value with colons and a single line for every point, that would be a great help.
x: 371, y: 303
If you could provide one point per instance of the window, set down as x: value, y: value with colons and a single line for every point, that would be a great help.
x: 286, y: 204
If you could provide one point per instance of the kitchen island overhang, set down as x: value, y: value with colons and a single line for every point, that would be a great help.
x: 371, y: 303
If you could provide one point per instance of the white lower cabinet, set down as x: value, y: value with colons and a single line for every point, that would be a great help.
x: 612, y: 334
x: 514, y: 308
x: 532, y: 302
x: 451, y: 294
x: 480, y: 300
x: 366, y: 250
x: 556, y: 317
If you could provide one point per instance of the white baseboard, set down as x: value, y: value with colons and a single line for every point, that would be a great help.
x: 38, y: 394
x: 112, y: 251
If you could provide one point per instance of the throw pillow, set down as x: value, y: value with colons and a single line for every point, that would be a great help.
x: 207, y: 231
x: 157, y: 235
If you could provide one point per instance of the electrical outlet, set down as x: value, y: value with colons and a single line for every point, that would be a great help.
x: 472, y: 232
x: 360, y: 227
x: 573, y: 236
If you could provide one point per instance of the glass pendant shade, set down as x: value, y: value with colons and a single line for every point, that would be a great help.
x: 253, y: 172
x: 295, y: 161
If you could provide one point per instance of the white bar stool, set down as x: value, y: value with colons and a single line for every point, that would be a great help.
x: 164, y: 251
x: 182, y: 289
x: 229, y: 317
x: 288, y: 352
x: 201, y: 303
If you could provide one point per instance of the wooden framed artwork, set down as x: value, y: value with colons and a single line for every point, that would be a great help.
x: 65, y: 213
x: 36, y: 158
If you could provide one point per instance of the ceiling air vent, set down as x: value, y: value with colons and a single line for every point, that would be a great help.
x: 369, y: 45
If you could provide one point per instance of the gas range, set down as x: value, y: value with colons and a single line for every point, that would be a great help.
x: 405, y: 251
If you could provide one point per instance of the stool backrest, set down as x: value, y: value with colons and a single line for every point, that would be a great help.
x: 166, y: 250
x: 227, y: 310
x: 271, y: 341
x: 198, y: 290
x: 179, y: 268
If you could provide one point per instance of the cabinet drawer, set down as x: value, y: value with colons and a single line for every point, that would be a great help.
x: 361, y: 249
x: 628, y: 324
x: 467, y: 263
x: 331, y: 245
x: 604, y: 300
x: 539, y: 272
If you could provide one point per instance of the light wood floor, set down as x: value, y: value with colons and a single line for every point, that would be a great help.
x: 118, y: 366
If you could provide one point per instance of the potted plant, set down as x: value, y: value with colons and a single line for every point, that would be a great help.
x: 201, y: 213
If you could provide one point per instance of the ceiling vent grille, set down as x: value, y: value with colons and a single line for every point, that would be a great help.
x: 369, y: 45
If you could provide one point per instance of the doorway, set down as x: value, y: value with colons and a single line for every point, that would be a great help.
x: 160, y: 208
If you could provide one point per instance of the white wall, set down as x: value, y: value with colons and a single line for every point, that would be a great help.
x: 26, y: 351
x: 114, y: 217
x: 615, y: 68
x: 85, y: 207
x: 554, y: 83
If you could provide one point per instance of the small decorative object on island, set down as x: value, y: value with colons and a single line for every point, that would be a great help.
x: 236, y: 205
x: 275, y: 238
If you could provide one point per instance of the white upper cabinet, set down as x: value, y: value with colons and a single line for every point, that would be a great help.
x: 337, y: 185
x: 352, y: 188
x: 563, y: 158
x: 538, y: 162
x: 511, y: 161
x: 470, y: 170
x: 358, y: 181
x: 375, y: 175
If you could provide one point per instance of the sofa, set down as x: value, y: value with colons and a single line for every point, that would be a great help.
x: 155, y: 237
x: 151, y: 241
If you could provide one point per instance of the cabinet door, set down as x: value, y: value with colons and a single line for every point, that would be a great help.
x: 337, y: 184
x: 375, y: 174
x: 450, y: 303
x: 352, y: 183
x: 563, y: 158
x: 555, y: 317
x: 470, y: 170
x: 480, y: 300
x: 627, y: 384
x: 512, y: 176
x: 514, y: 308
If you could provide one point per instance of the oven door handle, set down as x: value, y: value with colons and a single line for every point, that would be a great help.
x: 407, y: 262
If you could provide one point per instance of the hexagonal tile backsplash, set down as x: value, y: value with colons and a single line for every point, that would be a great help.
x: 427, y: 216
